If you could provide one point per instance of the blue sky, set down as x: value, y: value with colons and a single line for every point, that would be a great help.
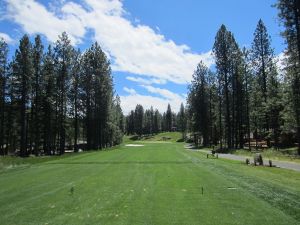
x: 154, y: 45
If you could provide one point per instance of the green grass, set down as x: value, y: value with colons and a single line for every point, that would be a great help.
x: 161, y: 137
x: 13, y: 162
x: 154, y: 184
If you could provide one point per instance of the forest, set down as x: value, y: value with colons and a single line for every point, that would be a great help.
x: 56, y: 98
x: 248, y: 98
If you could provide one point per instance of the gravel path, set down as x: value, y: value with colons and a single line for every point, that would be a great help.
x: 281, y: 164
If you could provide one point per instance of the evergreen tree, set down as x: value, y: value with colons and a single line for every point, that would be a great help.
x: 97, y: 85
x: 157, y: 122
x: 36, y: 106
x: 75, y: 95
x: 130, y: 123
x: 289, y: 14
x: 3, y: 83
x: 49, y: 94
x: 45, y: 98
x: 262, y: 57
x: 169, y: 119
x: 274, y: 105
x: 139, y: 119
x: 182, y: 123
x: 23, y: 70
x: 223, y: 51
x: 63, y: 60
x: 198, y: 103
x: 247, y: 86
x: 116, y: 123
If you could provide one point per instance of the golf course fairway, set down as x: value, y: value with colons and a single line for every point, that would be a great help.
x: 153, y: 183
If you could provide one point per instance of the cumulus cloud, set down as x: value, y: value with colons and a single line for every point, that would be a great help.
x: 6, y: 38
x: 160, y: 102
x: 141, y: 80
x: 36, y: 18
x: 133, y: 48
x: 280, y: 61
x: 130, y: 101
x: 129, y: 90
x: 166, y: 94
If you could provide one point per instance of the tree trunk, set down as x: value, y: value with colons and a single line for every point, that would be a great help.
x: 23, y: 144
x: 2, y: 109
x: 297, y: 17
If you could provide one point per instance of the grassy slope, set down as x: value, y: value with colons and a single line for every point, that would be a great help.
x: 154, y: 184
x: 282, y: 155
x: 169, y: 137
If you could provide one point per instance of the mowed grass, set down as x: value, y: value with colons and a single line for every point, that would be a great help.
x: 154, y: 184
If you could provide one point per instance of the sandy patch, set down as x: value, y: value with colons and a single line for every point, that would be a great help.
x: 134, y: 145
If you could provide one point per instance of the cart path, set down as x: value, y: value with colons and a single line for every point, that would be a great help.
x: 277, y: 163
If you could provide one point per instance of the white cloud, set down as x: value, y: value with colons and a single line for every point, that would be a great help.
x: 36, y: 18
x: 137, y: 49
x: 129, y: 90
x: 130, y: 101
x: 280, y: 61
x: 166, y: 94
x: 160, y: 102
x: 146, y: 81
x: 6, y: 38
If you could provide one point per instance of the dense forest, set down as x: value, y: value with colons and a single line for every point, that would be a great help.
x: 248, y: 100
x: 57, y: 98
x: 150, y: 121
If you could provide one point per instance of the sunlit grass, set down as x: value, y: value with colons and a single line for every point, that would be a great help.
x: 151, y: 184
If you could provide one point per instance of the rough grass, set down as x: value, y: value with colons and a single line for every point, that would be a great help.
x: 154, y: 184
x: 163, y: 137
x: 13, y: 162
x: 281, y: 154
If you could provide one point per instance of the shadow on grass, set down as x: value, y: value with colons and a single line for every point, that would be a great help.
x: 122, y: 162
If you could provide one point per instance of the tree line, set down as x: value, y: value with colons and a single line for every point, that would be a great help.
x: 150, y: 121
x: 248, y: 98
x: 56, y: 98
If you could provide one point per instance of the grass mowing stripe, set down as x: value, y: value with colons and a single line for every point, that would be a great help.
x: 153, y: 184
x: 285, y: 200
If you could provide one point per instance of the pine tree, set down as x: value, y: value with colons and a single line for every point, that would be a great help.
x: 274, y: 105
x: 213, y: 108
x: 198, y: 103
x: 222, y: 50
x: 75, y: 95
x: 37, y: 55
x: 247, y: 86
x: 49, y: 103
x: 169, y: 119
x: 139, y: 119
x: 262, y: 58
x: 289, y: 14
x: 23, y: 69
x: 87, y: 96
x: 130, y: 123
x: 3, y: 83
x: 182, y: 123
x: 116, y: 123
x: 157, y: 122
x: 63, y: 57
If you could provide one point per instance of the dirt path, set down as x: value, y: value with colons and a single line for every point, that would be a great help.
x: 281, y: 164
